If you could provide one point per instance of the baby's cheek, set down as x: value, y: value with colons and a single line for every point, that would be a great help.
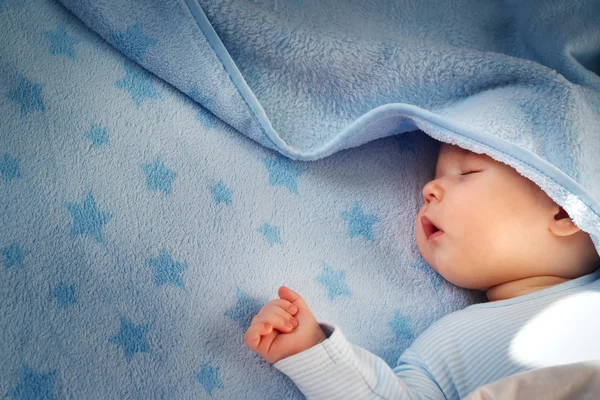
x: 464, y: 262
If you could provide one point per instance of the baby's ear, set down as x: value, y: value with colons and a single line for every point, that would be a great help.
x: 562, y: 224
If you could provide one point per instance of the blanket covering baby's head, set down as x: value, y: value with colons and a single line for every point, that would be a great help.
x: 484, y: 226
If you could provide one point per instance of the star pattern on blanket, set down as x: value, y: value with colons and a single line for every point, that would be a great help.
x: 359, y: 223
x: 271, y: 233
x: 87, y: 218
x: 9, y: 168
x: 158, y: 176
x: 161, y: 269
x: 133, y: 41
x: 132, y: 338
x: 221, y: 193
x: 400, y: 325
x: 137, y: 235
x: 65, y: 294
x: 245, y: 309
x: 14, y: 256
x: 139, y: 83
x: 33, y: 384
x: 61, y: 42
x: 28, y: 96
x: 334, y: 281
x: 97, y: 135
x: 283, y: 172
x: 166, y: 269
x: 209, y: 378
x: 436, y: 279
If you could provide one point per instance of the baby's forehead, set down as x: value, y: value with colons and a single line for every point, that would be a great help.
x: 451, y: 156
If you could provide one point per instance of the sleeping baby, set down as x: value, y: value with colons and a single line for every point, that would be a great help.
x: 482, y: 226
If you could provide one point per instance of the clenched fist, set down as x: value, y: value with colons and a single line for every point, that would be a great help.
x: 283, y: 327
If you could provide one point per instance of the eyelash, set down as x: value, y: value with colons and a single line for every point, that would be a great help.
x: 469, y: 172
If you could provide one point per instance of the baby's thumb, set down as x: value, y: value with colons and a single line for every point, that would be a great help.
x: 288, y: 294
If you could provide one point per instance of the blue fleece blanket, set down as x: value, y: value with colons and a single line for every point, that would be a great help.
x: 141, y: 231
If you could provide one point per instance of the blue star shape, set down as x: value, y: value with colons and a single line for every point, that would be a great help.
x: 97, y: 135
x: 334, y: 282
x: 359, y: 223
x: 14, y: 256
x: 139, y: 83
x: 33, y: 384
x: 28, y: 95
x: 87, y: 218
x: 436, y: 279
x: 245, y: 309
x: 132, y: 337
x: 209, y: 378
x: 401, y: 327
x: 166, y: 269
x: 271, y: 233
x: 9, y: 168
x: 158, y: 176
x: 282, y: 172
x: 133, y: 42
x: 65, y: 295
x: 61, y: 42
x: 221, y: 193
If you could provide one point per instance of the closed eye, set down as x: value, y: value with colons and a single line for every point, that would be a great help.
x: 469, y: 172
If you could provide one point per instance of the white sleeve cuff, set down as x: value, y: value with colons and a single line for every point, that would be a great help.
x: 328, y: 370
x: 315, y: 359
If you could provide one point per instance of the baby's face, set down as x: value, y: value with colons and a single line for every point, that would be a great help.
x: 487, y: 213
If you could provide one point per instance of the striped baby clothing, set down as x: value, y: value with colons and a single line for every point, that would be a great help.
x: 457, y: 354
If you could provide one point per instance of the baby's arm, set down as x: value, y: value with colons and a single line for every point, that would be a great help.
x: 331, y: 367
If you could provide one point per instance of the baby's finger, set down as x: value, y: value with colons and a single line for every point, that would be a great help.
x: 278, y: 318
x: 288, y: 294
x: 255, y: 332
x: 284, y: 305
x: 280, y: 307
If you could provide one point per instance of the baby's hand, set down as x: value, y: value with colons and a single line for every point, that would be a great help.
x: 273, y: 338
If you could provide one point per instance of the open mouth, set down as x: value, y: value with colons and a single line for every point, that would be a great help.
x: 431, y: 231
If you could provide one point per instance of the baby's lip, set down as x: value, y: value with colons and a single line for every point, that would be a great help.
x: 430, y: 228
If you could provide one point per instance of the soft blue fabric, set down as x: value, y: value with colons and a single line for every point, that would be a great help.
x: 517, y: 80
x: 139, y: 233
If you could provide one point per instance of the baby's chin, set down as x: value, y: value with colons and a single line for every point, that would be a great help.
x: 459, y: 279
x: 443, y: 266
x: 452, y: 275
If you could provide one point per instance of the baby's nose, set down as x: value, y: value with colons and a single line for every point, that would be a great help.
x: 432, y: 191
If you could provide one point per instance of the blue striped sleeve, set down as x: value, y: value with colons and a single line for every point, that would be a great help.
x: 337, y: 369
